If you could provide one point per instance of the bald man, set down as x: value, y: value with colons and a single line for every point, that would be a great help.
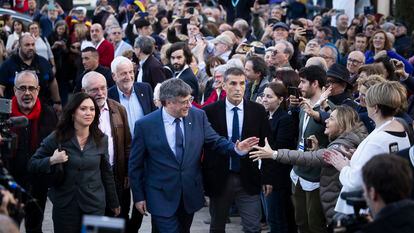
x: 105, y: 48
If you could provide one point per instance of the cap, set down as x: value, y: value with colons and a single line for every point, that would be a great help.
x: 281, y: 25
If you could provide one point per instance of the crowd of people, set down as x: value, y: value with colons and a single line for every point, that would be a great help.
x: 269, y: 110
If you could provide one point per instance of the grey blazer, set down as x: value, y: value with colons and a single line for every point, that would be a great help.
x: 88, y: 174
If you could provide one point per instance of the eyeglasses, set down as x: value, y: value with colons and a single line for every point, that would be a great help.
x: 97, y: 89
x: 23, y: 89
x: 354, y: 62
x: 185, y: 102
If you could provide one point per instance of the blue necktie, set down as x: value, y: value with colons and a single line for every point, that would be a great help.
x: 235, y: 135
x: 179, y: 141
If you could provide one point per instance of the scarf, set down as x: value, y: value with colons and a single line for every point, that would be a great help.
x: 33, y: 117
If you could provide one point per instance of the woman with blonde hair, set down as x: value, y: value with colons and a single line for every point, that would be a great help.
x: 345, y: 132
x: 383, y: 101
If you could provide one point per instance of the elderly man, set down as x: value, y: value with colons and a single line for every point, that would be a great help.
x: 104, y: 47
x: 330, y: 54
x: 167, y: 146
x: 355, y: 60
x: 27, y: 59
x: 150, y: 68
x: 284, y: 51
x: 42, y: 121
x: 120, y: 46
x: 113, y: 122
x: 223, y: 46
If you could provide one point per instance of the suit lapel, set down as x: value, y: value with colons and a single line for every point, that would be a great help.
x: 188, y: 128
x: 140, y: 96
x: 221, y: 114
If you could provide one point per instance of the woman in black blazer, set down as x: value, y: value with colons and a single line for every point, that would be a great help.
x: 283, y: 135
x: 88, y: 184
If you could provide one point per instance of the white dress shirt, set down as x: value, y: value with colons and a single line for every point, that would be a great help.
x: 229, y: 117
x: 169, y: 126
x: 105, y: 127
x: 141, y: 72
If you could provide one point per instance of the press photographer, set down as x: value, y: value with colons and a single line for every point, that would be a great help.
x: 387, y: 188
x: 42, y: 121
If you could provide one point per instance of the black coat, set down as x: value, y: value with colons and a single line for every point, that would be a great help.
x: 153, y: 71
x: 188, y: 77
x: 216, y: 166
x: 106, y: 72
x: 283, y: 136
x: 395, y: 217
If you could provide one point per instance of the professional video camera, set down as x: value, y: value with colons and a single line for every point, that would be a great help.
x: 7, y: 143
x: 353, y: 222
x: 7, y: 122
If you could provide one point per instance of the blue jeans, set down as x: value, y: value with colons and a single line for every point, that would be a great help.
x: 277, y: 213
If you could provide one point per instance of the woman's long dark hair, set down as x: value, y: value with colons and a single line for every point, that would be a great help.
x: 65, y: 129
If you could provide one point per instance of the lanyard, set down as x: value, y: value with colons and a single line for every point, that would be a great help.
x: 235, y: 2
x: 304, y: 126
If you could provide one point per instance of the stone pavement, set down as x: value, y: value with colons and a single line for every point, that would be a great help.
x: 198, y: 225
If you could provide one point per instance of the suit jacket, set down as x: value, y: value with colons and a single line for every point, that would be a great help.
x: 153, y: 71
x: 154, y: 172
x: 106, y: 53
x: 143, y: 92
x: 88, y: 174
x: 216, y: 165
x: 122, y: 139
x: 283, y: 136
x: 188, y: 77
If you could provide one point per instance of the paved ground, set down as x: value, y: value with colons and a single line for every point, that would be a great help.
x: 198, y: 225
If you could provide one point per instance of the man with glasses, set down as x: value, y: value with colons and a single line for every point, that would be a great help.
x: 115, y: 35
x: 113, y: 122
x: 42, y: 121
x: 164, y: 164
x: 355, y: 60
x: 330, y: 54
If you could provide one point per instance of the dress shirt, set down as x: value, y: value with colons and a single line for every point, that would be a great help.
x: 132, y: 106
x: 169, y: 126
x: 105, y: 127
x: 140, y: 73
x: 229, y: 117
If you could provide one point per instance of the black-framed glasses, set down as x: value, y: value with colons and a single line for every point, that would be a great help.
x: 23, y: 89
x: 354, y: 62
x: 185, y: 102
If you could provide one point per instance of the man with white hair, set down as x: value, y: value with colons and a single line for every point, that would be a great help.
x: 355, y: 60
x: 115, y: 34
x: 283, y: 52
x: 113, y: 122
x: 136, y: 97
x: 104, y: 47
x: 222, y: 46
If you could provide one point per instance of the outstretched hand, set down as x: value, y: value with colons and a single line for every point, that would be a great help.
x: 247, y: 144
x: 265, y: 152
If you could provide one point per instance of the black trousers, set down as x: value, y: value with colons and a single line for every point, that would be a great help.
x: 35, y: 208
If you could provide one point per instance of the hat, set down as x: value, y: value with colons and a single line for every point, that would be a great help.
x: 339, y: 72
x: 223, y: 39
x: 281, y: 25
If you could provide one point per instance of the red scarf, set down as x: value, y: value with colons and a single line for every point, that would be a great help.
x: 33, y: 117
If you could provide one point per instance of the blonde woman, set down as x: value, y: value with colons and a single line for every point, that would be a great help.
x: 345, y: 132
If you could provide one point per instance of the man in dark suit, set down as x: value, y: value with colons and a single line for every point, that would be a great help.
x: 164, y: 165
x: 230, y: 178
x: 114, y: 123
x: 150, y: 69
x: 180, y: 57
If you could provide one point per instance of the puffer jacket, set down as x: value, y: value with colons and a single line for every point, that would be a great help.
x: 330, y: 186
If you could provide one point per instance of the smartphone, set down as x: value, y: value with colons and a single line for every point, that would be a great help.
x: 259, y: 50
x: 309, y: 34
x: 340, y: 11
x: 393, y: 147
x: 183, y: 21
x: 308, y: 143
x: 263, y: 2
x: 245, y: 48
x: 192, y: 4
x: 294, y: 91
x: 190, y: 10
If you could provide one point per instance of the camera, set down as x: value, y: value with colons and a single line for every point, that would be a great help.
x: 353, y: 222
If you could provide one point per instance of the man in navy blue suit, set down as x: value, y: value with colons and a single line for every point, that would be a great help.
x: 165, y: 161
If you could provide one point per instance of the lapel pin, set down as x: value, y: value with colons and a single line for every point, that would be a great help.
x: 189, y: 123
x: 142, y: 95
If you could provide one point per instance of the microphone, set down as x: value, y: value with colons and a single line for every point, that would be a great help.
x: 17, y: 122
